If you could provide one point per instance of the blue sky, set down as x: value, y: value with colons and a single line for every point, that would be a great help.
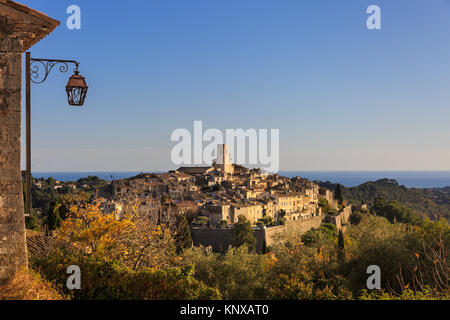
x: 344, y: 97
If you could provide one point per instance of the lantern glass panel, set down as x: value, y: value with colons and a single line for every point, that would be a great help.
x: 76, y: 90
x: 76, y: 95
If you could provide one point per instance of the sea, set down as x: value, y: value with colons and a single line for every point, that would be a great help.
x: 410, y: 179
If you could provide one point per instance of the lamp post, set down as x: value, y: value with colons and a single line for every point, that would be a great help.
x: 76, y: 90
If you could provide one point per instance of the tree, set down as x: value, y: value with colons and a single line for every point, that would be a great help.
x: 132, y: 241
x: 54, y: 218
x: 341, y: 243
x: 329, y: 229
x: 355, y: 218
x: 267, y: 220
x: 326, y: 232
x: 31, y: 223
x: 338, y: 193
x: 281, y: 217
x: 332, y: 212
x: 323, y: 203
x: 341, y: 246
x: 310, y: 237
x: 183, y: 239
x: 395, y: 212
x: 87, y: 227
x: 237, y: 273
x: 265, y: 249
x: 243, y: 234
x: 203, y: 221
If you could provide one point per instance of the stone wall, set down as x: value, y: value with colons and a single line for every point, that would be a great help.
x: 274, y: 234
x: 341, y: 219
x: 346, y: 212
x: 12, y: 222
x: 220, y: 239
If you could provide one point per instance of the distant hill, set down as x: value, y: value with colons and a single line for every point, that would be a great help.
x: 433, y: 203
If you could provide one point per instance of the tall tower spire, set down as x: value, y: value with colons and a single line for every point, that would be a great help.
x: 223, y: 161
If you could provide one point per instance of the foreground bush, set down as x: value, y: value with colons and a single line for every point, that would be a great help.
x: 287, y: 273
x: 105, y: 280
x: 238, y: 274
x: 129, y: 258
x: 308, y: 271
x: 409, y: 257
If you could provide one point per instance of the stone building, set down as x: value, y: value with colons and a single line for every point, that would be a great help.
x: 252, y: 211
x: 329, y: 196
x: 217, y: 212
x: 20, y: 28
x: 223, y: 162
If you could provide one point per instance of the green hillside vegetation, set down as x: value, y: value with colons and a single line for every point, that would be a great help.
x: 432, y: 203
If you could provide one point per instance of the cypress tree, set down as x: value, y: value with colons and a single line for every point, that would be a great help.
x: 183, y: 237
x: 338, y: 194
x: 341, y: 246
x: 341, y: 242
x: 264, y: 249
x: 54, y: 218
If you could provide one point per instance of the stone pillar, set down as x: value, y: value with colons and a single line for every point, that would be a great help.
x: 13, y: 254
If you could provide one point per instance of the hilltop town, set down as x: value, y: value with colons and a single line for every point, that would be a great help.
x: 217, y: 195
x: 211, y: 198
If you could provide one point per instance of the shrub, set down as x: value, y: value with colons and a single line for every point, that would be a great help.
x: 355, y: 218
x: 409, y: 257
x: 238, y: 274
x: 106, y: 280
x: 323, y: 203
x: 203, y: 221
x: 303, y: 272
x: 243, y: 234
x: 266, y: 220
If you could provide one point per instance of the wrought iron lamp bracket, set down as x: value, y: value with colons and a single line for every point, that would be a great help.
x: 45, y: 66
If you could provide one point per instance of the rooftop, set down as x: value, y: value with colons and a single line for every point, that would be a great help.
x: 24, y: 23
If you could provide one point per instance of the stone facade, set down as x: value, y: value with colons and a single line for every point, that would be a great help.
x: 20, y: 28
x: 12, y: 222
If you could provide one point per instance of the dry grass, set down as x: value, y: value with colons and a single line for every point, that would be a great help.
x: 28, y: 285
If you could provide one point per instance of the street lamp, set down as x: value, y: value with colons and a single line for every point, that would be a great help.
x: 76, y: 90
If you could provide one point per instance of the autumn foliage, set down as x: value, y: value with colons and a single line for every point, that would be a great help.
x: 128, y: 257
x: 123, y: 257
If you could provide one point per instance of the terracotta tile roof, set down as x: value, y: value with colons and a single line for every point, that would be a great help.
x: 29, y: 25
